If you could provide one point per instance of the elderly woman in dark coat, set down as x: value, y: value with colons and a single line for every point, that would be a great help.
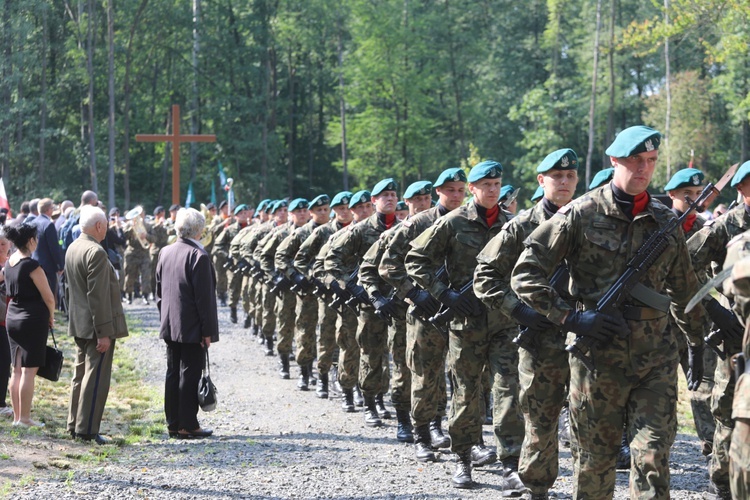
x: 186, y: 298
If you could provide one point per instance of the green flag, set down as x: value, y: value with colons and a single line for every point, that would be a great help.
x: 190, y: 196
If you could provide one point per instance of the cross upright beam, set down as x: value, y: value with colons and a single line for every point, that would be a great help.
x: 176, y: 139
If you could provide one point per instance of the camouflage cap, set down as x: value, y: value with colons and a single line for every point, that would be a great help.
x: 320, y: 201
x: 279, y: 205
x: 562, y: 159
x: 360, y: 197
x: 742, y: 172
x: 455, y: 174
x: 488, y: 169
x: 537, y: 194
x: 298, y: 203
x: 401, y: 205
x: 506, y: 191
x: 341, y: 198
x: 602, y: 177
x: 687, y: 177
x: 418, y: 188
x: 384, y: 185
x: 634, y: 140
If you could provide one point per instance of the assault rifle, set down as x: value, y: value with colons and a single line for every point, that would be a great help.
x: 358, y: 295
x: 280, y: 283
x: 342, y: 296
x: 301, y: 285
x: 446, y: 314
x: 241, y: 267
x: 229, y: 264
x: 419, y: 311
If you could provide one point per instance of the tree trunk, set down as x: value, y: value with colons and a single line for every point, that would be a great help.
x: 90, y: 72
x: 612, y: 80
x: 292, y: 125
x: 111, y: 124
x: 342, y: 107
x: 7, y: 69
x: 592, y: 107
x: 669, y: 93
x: 43, y: 104
x: 194, y: 114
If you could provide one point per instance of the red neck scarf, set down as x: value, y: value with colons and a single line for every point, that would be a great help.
x: 689, y: 221
x: 639, y: 203
x: 388, y: 219
x: 491, y: 215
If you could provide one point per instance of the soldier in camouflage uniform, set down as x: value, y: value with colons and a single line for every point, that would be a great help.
x: 249, y: 303
x: 635, y: 381
x: 242, y: 268
x: 307, y: 304
x: 426, y: 347
x: 137, y: 260
x: 307, y: 263
x: 477, y: 337
x: 688, y: 183
x: 161, y: 238
x: 418, y: 199
x: 372, y: 329
x: 708, y: 251
x: 544, y: 374
x: 219, y: 255
x: 284, y: 299
x: 223, y: 245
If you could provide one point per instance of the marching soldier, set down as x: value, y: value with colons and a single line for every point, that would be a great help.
x: 477, y: 337
x: 220, y: 254
x: 544, y: 374
x: 708, y: 251
x: 425, y: 345
x: 635, y: 355
x: 222, y: 246
x: 159, y: 231
x: 137, y: 260
x: 505, y: 194
x: 402, y: 210
x: 251, y: 304
x: 372, y: 330
x: 602, y: 177
x: 307, y: 305
x: 306, y: 262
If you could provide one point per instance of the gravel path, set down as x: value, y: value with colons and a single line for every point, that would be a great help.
x: 273, y: 441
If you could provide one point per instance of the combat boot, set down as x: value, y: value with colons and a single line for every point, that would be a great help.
x: 719, y: 491
x: 145, y: 300
x: 130, y: 297
x: 261, y: 339
x: 462, y: 476
x: 322, y: 389
x: 422, y: 447
x: 248, y: 321
x: 358, y: 399
x: 233, y: 314
x: 382, y: 411
x: 304, y: 378
x: 623, y: 457
x: 437, y: 438
x: 284, y: 371
x: 563, y: 427
x: 487, y: 408
x: 311, y: 375
x: 481, y: 455
x: 371, y: 413
x: 513, y: 484
x: 223, y: 300
x: 404, y: 432
x: 348, y: 403
x: 269, y: 345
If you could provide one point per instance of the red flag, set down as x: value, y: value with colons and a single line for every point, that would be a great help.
x: 4, y: 199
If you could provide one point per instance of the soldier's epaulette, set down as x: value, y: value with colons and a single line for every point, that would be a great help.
x: 709, y: 223
x: 407, y: 223
x: 505, y: 226
x: 563, y: 210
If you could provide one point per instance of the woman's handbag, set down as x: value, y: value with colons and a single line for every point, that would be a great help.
x: 206, y: 388
x: 54, y: 362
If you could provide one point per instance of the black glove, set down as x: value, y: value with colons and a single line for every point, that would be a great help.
x: 383, y: 305
x: 724, y: 319
x: 423, y: 300
x: 695, y: 362
x: 359, y: 292
x: 527, y: 316
x: 593, y: 324
x: 465, y: 306
x: 300, y: 282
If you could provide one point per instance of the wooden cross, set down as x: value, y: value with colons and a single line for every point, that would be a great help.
x: 176, y: 139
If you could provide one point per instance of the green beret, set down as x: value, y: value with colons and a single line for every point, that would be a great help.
x: 602, y: 177
x: 360, y: 197
x: 401, y: 205
x: 506, y: 191
x: 742, y: 172
x: 262, y: 205
x: 634, y: 140
x: 562, y: 159
x: 687, y: 177
x: 278, y: 205
x: 298, y: 203
x: 320, y: 200
x: 455, y: 174
x: 239, y: 208
x: 486, y: 170
x: 537, y: 194
x: 341, y: 198
x: 384, y: 185
x: 418, y: 188
x: 269, y: 206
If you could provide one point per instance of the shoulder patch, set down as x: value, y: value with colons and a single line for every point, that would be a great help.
x: 564, y: 210
x: 407, y: 223
x: 505, y: 226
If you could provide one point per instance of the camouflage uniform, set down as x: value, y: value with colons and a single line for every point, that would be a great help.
x: 161, y: 238
x: 455, y: 240
x: 344, y: 254
x: 636, y: 377
x: 285, y: 301
x: 544, y: 379
x: 234, y: 280
x: 220, y: 253
x: 425, y: 346
x: 264, y: 300
x: 235, y: 252
x: 137, y: 262
x: 708, y: 251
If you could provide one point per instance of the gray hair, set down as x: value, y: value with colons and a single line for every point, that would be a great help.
x: 90, y: 215
x: 189, y: 223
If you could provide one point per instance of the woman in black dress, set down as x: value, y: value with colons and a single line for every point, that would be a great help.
x: 30, y: 316
x: 5, y: 410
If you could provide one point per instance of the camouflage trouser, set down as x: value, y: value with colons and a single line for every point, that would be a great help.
x: 138, y: 267
x: 285, y: 313
x: 269, y: 314
x: 306, y: 323
x: 599, y: 403
x: 507, y: 418
x: 235, y: 288
x: 739, y: 458
x: 326, y: 336
x: 425, y: 355
x: 401, y: 376
x: 346, y: 339
x: 248, y: 304
x: 700, y: 400
x: 257, y: 298
x: 221, y: 274
x: 721, y: 407
x: 372, y: 338
x: 544, y: 387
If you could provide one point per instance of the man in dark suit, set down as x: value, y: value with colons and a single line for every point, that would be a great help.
x: 48, y: 252
x: 186, y: 299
